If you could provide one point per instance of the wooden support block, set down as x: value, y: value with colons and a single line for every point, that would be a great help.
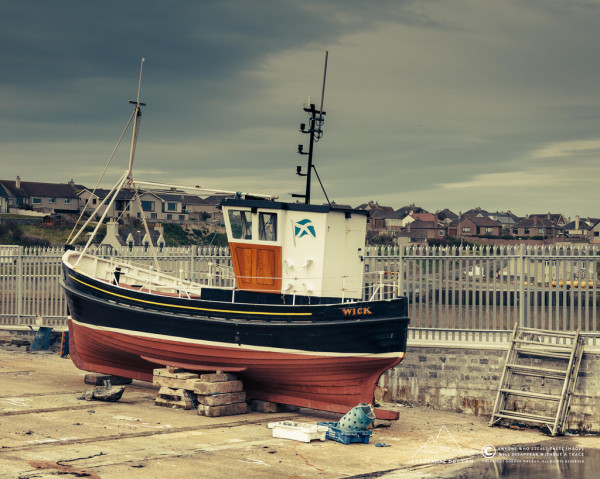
x: 175, y: 383
x: 177, y: 398
x: 96, y: 379
x: 206, y: 388
x: 222, y: 399
x: 172, y: 372
x: 217, y: 377
x: 224, y: 410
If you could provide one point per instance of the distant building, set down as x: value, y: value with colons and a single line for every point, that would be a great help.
x: 155, y: 205
x: 37, y: 196
x: 474, y: 226
x: 556, y: 218
x: 576, y: 229
x: 419, y: 231
x: 117, y: 237
x: 536, y: 226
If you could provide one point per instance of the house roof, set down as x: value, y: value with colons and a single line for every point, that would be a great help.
x: 385, y: 212
x: 582, y: 226
x: 407, y: 210
x: 475, y: 212
x: 554, y: 217
x: 446, y: 214
x: 422, y: 225
x: 29, y: 188
x: 424, y: 216
x: 536, y: 222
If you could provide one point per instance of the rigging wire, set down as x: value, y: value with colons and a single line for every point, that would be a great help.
x: 102, y: 175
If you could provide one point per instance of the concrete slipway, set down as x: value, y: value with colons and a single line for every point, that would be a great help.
x: 45, y: 431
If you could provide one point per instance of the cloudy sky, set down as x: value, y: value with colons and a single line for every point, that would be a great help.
x: 442, y: 103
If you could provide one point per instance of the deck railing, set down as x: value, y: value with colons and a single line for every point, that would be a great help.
x: 455, y: 294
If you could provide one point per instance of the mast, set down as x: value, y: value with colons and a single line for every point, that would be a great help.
x: 315, y: 130
x: 136, y: 123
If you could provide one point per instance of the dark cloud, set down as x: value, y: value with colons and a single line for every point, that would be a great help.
x: 434, y: 102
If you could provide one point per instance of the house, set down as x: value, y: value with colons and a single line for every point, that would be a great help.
x: 118, y: 238
x: 408, y: 210
x: 536, y: 226
x: 594, y: 233
x: 474, y: 226
x: 420, y: 231
x: 385, y: 220
x: 475, y: 212
x: 43, y: 197
x: 447, y: 216
x: 506, y: 219
x: 556, y: 218
x: 576, y: 229
x: 200, y: 207
x: 156, y: 205
x: 418, y: 216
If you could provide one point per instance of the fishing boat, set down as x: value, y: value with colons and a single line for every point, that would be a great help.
x: 296, y: 326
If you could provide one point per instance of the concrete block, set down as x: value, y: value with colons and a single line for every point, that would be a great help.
x: 222, y: 399
x: 174, y: 383
x: 172, y: 372
x: 205, y: 388
x: 175, y: 398
x: 217, y: 377
x: 224, y: 410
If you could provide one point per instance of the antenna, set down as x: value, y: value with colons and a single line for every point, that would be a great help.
x: 324, y: 78
x: 315, y: 130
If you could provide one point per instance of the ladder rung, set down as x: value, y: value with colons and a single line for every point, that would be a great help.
x: 518, y: 392
x: 545, y: 332
x: 547, y: 345
x: 525, y: 416
x: 544, y: 353
x: 537, y: 372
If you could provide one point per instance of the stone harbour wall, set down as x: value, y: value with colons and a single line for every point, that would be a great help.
x: 465, y: 378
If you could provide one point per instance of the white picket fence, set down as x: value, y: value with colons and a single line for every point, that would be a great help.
x: 455, y: 294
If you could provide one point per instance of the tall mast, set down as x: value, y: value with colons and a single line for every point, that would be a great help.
x: 315, y: 130
x: 136, y: 123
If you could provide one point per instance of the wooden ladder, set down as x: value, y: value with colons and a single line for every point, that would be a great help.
x: 528, y: 343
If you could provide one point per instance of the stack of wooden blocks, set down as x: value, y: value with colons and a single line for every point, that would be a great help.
x: 213, y: 394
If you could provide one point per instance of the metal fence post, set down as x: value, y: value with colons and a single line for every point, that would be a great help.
x: 19, y: 279
x: 522, y: 293
x: 401, y: 271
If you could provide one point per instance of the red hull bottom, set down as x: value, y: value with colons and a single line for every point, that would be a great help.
x: 329, y: 383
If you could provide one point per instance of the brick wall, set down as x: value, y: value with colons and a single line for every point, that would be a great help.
x: 466, y: 379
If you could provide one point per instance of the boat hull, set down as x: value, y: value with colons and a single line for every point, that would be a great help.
x: 319, y: 361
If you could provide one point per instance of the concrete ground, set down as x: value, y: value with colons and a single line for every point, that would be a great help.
x: 46, y: 431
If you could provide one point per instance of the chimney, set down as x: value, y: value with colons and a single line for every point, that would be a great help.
x: 71, y: 183
x: 112, y: 228
x: 18, y: 182
x: 577, y: 222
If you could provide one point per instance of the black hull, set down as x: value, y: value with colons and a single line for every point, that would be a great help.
x: 349, y: 328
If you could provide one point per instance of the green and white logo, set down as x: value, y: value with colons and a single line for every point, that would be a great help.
x: 303, y: 228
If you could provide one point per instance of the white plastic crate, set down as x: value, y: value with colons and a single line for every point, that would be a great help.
x: 298, y: 431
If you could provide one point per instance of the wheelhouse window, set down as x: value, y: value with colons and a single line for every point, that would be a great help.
x: 241, y: 224
x: 267, y: 227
